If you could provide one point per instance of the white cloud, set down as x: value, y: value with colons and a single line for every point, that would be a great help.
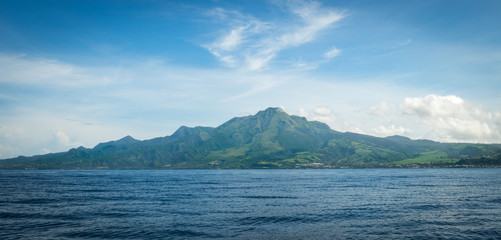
x: 322, y: 111
x: 434, y: 106
x: 42, y: 131
x: 325, y: 119
x: 450, y: 118
x: 251, y: 44
x: 22, y: 69
x: 63, y: 139
x: 334, y: 52
x: 225, y: 47
x: 7, y: 151
x: 223, y: 14
x: 258, y: 85
x: 390, y: 130
x: 314, y: 19
x: 404, y: 43
x: 302, y: 112
x: 232, y: 40
x: 382, y: 108
x: 464, y: 129
x: 321, y: 114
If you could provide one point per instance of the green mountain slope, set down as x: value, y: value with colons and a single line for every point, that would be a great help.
x: 268, y: 139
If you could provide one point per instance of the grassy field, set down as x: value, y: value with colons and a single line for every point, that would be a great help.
x: 436, y: 156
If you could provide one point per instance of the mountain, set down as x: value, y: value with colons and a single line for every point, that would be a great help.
x: 268, y: 139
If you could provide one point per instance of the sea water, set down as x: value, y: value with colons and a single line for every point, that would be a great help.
x: 251, y: 204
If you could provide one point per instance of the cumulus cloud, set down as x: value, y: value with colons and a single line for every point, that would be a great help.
x: 322, y: 111
x: 321, y: 114
x: 450, y: 118
x: 390, y: 130
x: 302, y: 112
x: 435, y: 106
x: 251, y: 43
x: 63, y: 139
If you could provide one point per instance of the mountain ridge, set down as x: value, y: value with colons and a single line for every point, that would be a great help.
x: 269, y: 139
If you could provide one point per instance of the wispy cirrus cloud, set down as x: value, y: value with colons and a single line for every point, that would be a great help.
x: 332, y: 53
x: 24, y: 69
x: 251, y: 44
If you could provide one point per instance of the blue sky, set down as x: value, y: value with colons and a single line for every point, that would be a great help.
x: 82, y: 72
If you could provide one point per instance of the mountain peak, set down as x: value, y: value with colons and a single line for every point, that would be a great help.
x: 266, y: 117
x: 127, y: 138
x: 122, y: 141
x: 181, y: 131
x: 184, y: 131
x: 272, y: 110
x: 398, y: 138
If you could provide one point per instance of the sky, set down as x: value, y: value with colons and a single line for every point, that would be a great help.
x: 76, y: 73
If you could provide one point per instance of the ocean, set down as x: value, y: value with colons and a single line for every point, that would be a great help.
x: 251, y: 204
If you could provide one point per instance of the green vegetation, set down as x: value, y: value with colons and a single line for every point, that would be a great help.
x: 269, y: 139
x: 436, y: 156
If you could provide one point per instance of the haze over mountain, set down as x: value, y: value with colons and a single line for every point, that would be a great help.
x: 269, y: 139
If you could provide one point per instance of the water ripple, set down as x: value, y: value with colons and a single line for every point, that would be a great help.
x: 251, y: 204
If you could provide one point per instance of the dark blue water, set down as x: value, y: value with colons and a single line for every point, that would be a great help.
x: 252, y: 204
